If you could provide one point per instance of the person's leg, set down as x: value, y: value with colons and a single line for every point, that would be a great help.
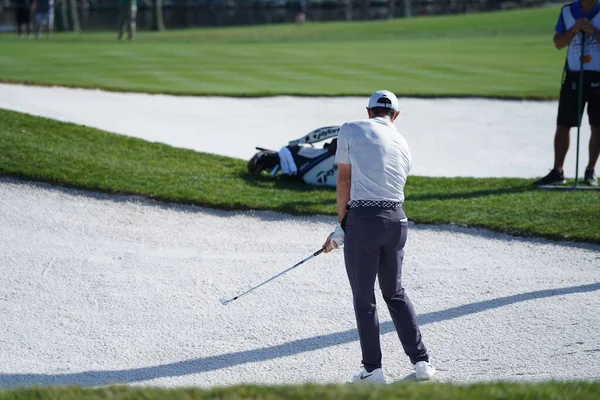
x: 594, y: 120
x: 50, y: 22
x: 30, y: 22
x: 134, y: 22
x: 594, y: 147
x: 567, y: 117
x: 589, y: 177
x: 122, y: 21
x: 562, y: 140
x: 128, y: 24
x: 43, y: 22
x: 132, y: 19
x: 390, y: 281
x: 20, y: 21
x: 38, y: 24
x: 361, y: 255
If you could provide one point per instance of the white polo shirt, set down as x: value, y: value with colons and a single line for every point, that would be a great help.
x: 379, y: 156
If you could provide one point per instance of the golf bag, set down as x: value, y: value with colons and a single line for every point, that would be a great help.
x: 300, y: 159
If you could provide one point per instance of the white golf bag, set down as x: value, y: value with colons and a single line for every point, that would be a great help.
x: 300, y: 159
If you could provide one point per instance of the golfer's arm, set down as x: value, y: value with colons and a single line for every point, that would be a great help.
x: 343, y: 189
x: 562, y: 40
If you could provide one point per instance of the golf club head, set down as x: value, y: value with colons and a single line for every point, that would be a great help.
x: 223, y: 301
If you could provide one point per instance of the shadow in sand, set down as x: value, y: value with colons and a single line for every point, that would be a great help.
x: 93, y: 378
x: 286, y: 210
x: 478, y: 232
x: 408, y: 378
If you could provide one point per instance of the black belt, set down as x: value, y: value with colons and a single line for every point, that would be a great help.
x: 385, y: 204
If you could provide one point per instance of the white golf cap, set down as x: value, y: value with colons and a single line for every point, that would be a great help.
x: 384, y: 98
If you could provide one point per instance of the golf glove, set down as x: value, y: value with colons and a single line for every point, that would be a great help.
x: 337, y: 238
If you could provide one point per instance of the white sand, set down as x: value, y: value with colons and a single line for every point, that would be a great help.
x: 481, y: 138
x: 100, y: 289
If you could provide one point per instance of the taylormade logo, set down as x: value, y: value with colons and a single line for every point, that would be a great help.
x: 323, y: 175
x: 325, y: 133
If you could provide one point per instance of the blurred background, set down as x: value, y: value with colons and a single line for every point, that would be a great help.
x: 99, y: 15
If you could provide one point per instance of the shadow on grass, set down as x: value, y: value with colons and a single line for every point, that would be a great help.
x: 263, y: 181
x: 212, y: 363
x: 470, y: 194
x: 294, y: 184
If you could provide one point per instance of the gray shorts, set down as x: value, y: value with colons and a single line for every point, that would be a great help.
x: 45, y: 18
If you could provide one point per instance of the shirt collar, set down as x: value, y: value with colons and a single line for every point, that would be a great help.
x: 589, y: 15
x: 384, y: 121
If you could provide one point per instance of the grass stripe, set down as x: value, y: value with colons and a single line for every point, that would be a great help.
x: 501, y: 54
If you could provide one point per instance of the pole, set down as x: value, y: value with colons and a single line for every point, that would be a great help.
x: 579, y: 105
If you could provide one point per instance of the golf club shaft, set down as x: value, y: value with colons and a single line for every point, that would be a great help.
x: 579, y: 104
x: 276, y: 276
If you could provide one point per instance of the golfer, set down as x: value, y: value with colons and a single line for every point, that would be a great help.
x: 578, y: 22
x: 373, y: 162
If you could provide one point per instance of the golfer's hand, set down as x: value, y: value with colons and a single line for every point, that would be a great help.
x: 583, y: 25
x: 327, y: 245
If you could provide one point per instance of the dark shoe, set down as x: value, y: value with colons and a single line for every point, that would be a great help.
x: 590, y: 178
x: 552, y: 178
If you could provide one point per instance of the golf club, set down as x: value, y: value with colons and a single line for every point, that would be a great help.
x: 226, y: 301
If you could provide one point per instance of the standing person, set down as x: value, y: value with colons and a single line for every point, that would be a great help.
x: 127, y: 17
x: 577, y: 21
x: 24, y: 17
x: 373, y: 162
x: 44, y: 16
x: 301, y: 12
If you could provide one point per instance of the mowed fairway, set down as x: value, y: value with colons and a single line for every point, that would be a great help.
x: 500, y: 54
x: 103, y: 285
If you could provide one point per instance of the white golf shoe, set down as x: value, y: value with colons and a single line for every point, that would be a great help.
x: 375, y: 376
x: 424, y: 370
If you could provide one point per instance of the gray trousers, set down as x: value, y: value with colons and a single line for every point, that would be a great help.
x: 374, y: 247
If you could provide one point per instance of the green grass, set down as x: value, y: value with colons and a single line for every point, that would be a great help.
x: 76, y: 156
x: 508, y: 54
x: 403, y: 391
x: 499, y: 54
